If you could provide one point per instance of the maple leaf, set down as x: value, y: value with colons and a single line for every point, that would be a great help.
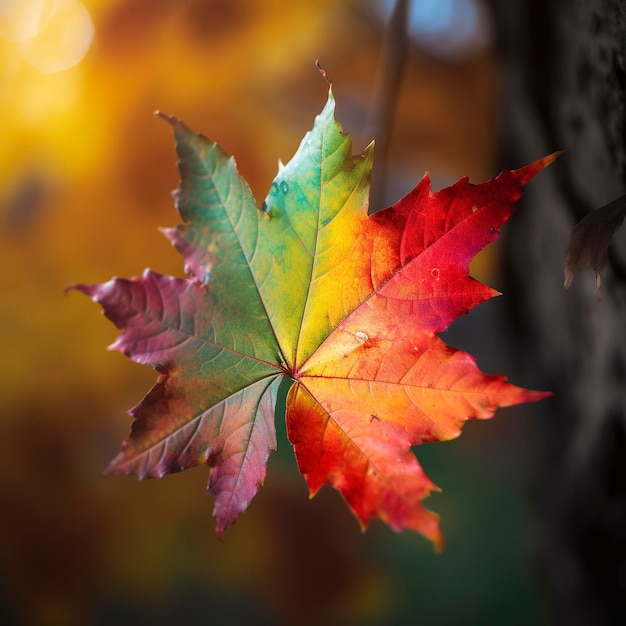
x: 345, y: 305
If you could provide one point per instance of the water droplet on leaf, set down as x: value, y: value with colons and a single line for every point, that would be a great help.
x: 361, y: 337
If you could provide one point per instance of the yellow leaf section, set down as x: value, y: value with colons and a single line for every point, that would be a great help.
x: 337, y: 283
x: 315, y: 208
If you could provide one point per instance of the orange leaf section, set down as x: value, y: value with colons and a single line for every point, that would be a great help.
x: 383, y: 381
x: 366, y: 459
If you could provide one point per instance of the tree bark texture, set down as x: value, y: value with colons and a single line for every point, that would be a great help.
x: 563, y: 85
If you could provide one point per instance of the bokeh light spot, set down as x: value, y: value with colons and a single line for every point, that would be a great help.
x: 63, y: 41
x: 23, y: 19
x: 448, y: 29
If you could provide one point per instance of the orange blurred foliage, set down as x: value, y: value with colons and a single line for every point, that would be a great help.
x: 85, y: 176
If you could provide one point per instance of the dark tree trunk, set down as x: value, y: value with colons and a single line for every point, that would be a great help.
x: 563, y: 81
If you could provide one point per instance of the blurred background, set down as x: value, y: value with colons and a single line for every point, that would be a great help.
x: 86, y: 172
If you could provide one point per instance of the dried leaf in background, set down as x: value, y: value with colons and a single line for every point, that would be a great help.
x: 589, y: 241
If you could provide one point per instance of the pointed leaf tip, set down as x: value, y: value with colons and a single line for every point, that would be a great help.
x: 527, y: 173
x: 93, y: 291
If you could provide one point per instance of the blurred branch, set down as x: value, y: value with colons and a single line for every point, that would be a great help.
x: 388, y: 77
